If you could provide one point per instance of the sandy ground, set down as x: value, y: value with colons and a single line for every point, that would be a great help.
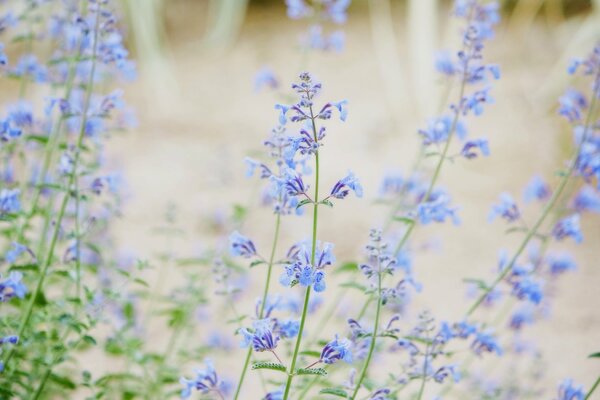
x: 193, y: 135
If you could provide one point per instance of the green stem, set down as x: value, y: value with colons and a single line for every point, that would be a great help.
x: 288, y: 384
x: 263, y: 303
x: 593, y: 388
x: 365, y: 367
x: 549, y: 206
x: 422, y: 388
x: 67, y: 195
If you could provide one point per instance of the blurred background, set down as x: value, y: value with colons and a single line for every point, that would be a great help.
x: 199, y: 114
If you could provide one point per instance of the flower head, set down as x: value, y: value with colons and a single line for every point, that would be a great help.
x: 568, y: 227
x: 507, y: 209
x: 342, y: 188
x: 206, y: 381
x: 336, y: 350
x: 241, y: 246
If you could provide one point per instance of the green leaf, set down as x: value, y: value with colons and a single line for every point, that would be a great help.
x: 311, y: 371
x: 594, y: 355
x: 311, y: 353
x: 37, y: 138
x: 89, y: 340
x: 354, y: 285
x: 303, y: 202
x: 406, y: 220
x: 346, y: 267
x: 63, y: 381
x: 256, y: 262
x: 478, y: 282
x: 141, y: 282
x: 236, y: 320
x: 327, y: 203
x: 269, y: 365
x: 239, y: 212
x: 335, y: 392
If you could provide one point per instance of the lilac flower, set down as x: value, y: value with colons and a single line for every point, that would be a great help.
x: 572, y: 104
x: 9, y: 130
x: 536, y: 189
x: 561, y: 263
x: 485, y: 342
x: 12, y: 287
x: 342, y: 188
x: 9, y: 201
x: 283, y: 109
x: 507, y: 209
x: 305, y: 275
x: 287, y: 329
x: 293, y: 183
x: 468, y: 150
x: 587, y: 199
x: 568, y: 390
x: 523, y: 316
x: 206, y: 381
x: 336, y: 350
x: 464, y: 329
x: 265, y: 77
x: 241, y: 246
x: 276, y: 394
x: 265, y: 172
x: 297, y: 9
x: 342, y: 109
x: 13, y: 339
x: 444, y: 63
x: 568, y: 227
x: 3, y: 57
x: 409, y: 346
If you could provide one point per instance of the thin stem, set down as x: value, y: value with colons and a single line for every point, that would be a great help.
x: 549, y: 206
x: 263, y: 303
x: 67, y: 195
x: 593, y: 388
x: 422, y: 388
x: 365, y: 367
x: 288, y: 384
x: 277, y: 357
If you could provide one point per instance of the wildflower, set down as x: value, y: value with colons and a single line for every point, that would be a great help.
x: 343, y: 186
x: 572, y: 104
x: 468, y: 150
x: 507, y: 209
x: 528, y: 289
x: 282, y: 113
x: 241, y: 245
x: 276, y: 394
x: 587, y: 199
x: 568, y: 227
x: 437, y: 209
x: 536, y: 189
x: 561, y: 263
x: 206, y: 381
x: 336, y: 350
x: 265, y: 172
x: 446, y: 371
x: 12, y: 287
x: 9, y: 201
x: 15, y: 252
x: 522, y: 316
x: 3, y: 57
x: 287, y: 329
x: 408, y: 345
x: 485, y: 342
x: 9, y: 339
x: 569, y: 391
x: 262, y: 338
x: 293, y: 183
x: 265, y: 78
x: 439, y: 129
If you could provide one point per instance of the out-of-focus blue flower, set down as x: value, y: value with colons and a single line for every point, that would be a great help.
x: 265, y: 77
x: 568, y: 227
x: 437, y: 209
x: 241, y: 246
x: 572, y: 104
x: 12, y: 287
x: 336, y: 350
x: 206, y: 381
x: 342, y: 188
x: 12, y: 339
x: 522, y: 316
x: 297, y: 9
x: 528, y: 289
x: 15, y: 252
x: 262, y: 339
x: 507, y: 209
x: 587, y: 199
x: 9, y: 201
x: 438, y: 130
x: 276, y: 394
x: 469, y: 148
x: 560, y: 263
x: 287, y: 329
x: 568, y: 390
x: 536, y: 189
x: 447, y: 371
x: 485, y: 342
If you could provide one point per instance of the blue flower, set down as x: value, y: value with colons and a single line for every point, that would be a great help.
x: 437, y: 209
x: 528, y: 289
x: 336, y: 350
x: 13, y: 339
x: 447, y: 371
x: 569, y: 391
x: 522, y: 316
x: 568, y: 227
x: 536, y: 189
x: 342, y: 108
x: 297, y: 9
x: 485, y: 342
x: 3, y: 57
x: 265, y: 77
x: 507, y: 209
x: 9, y: 201
x: 12, y: 287
x: 572, y: 104
x: 206, y: 381
x: 587, y: 199
x: 265, y: 172
x: 438, y: 130
x: 287, y: 329
x: 293, y: 184
x: 262, y: 338
x: 283, y: 109
x: 241, y: 245
x: 342, y: 188
x: 13, y: 254
x: 561, y: 263
x: 276, y: 394
x: 468, y: 150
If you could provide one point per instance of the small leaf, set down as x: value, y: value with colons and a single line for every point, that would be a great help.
x: 303, y: 202
x: 141, y: 282
x: 478, y: 282
x: 406, y: 220
x: 354, y: 285
x: 346, y: 267
x: 311, y: 353
x: 335, y: 392
x: 269, y: 365
x: 257, y: 262
x: 327, y: 203
x: 89, y: 340
x: 594, y: 355
x: 311, y: 371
